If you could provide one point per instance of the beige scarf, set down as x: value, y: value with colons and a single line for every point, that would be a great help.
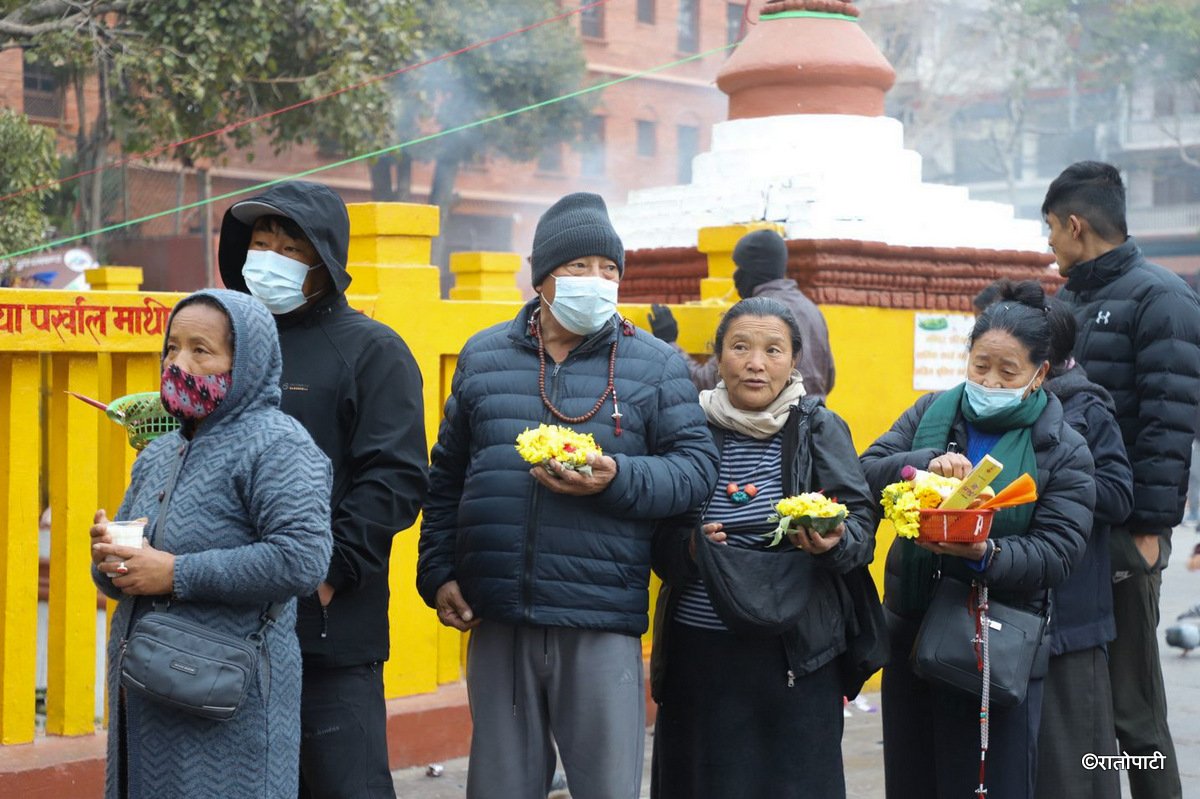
x: 756, y: 424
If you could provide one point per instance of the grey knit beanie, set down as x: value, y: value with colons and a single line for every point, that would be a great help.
x: 760, y: 256
x: 574, y: 227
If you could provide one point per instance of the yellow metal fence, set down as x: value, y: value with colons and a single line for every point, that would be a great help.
x: 104, y: 343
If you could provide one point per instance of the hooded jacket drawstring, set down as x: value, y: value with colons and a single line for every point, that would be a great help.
x: 514, y: 671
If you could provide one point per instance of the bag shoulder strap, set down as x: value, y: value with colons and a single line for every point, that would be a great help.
x: 269, y: 615
x: 267, y: 619
x: 797, y: 443
x: 1047, y: 595
x: 165, y: 502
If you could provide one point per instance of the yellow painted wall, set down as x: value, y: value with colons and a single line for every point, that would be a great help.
x: 105, y: 343
x: 873, y: 353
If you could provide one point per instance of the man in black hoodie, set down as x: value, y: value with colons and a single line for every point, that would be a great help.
x: 354, y: 385
x: 1139, y: 337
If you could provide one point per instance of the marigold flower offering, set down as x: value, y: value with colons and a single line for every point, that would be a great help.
x: 554, y: 442
x: 812, y: 510
x: 902, y: 501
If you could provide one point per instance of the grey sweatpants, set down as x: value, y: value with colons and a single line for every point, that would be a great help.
x: 533, y: 687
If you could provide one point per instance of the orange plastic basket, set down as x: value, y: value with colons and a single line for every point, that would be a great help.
x: 958, y: 526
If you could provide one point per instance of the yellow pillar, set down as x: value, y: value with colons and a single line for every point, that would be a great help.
x: 485, y: 276
x: 390, y: 247
x: 110, y: 437
x: 718, y: 243
x: 115, y: 278
x: 20, y: 382
x: 130, y: 373
x: 71, y: 677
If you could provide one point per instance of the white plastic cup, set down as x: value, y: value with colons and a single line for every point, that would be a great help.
x: 126, y: 534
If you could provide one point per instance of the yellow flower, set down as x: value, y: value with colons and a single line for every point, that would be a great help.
x: 812, y: 504
x: 563, y: 444
x: 903, y: 501
x: 813, y: 510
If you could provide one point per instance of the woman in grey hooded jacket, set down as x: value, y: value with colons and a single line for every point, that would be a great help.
x: 244, y: 496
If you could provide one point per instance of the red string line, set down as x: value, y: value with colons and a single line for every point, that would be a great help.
x: 148, y: 154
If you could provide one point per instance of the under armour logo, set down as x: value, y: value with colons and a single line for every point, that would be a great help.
x: 1102, y: 317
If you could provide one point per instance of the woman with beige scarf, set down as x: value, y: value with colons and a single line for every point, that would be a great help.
x: 746, y: 712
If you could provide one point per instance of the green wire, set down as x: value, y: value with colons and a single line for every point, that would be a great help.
x: 809, y: 14
x: 364, y: 156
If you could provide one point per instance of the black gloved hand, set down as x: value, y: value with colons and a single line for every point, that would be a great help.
x: 663, y: 324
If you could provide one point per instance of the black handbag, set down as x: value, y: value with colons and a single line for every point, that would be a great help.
x: 190, y: 667
x: 760, y: 591
x: 755, y: 591
x: 945, y: 649
x: 867, y: 649
x: 185, y: 665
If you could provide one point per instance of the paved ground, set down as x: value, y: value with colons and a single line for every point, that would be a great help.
x: 862, y: 743
x: 1181, y: 673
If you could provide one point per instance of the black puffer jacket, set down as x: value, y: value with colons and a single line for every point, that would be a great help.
x: 1139, y: 337
x: 818, y: 455
x: 523, y: 554
x: 1083, y: 608
x: 1026, y: 565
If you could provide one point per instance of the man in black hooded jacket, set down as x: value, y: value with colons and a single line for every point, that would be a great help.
x: 354, y: 385
x: 1139, y: 337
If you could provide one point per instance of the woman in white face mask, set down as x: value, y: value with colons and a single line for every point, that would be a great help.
x: 932, y: 732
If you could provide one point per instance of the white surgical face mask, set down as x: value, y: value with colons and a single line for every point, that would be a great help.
x: 583, y: 304
x: 276, y: 280
x: 991, y: 401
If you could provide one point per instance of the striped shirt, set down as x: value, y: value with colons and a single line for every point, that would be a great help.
x: 743, y: 460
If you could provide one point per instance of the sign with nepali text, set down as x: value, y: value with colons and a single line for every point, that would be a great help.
x: 940, y: 350
x: 49, y: 320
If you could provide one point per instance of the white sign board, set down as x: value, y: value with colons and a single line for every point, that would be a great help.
x: 940, y: 350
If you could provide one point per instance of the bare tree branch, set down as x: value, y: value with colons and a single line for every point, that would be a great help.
x: 48, y: 16
x: 18, y: 30
x: 284, y: 81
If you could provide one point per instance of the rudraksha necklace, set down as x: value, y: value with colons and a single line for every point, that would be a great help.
x: 535, y: 328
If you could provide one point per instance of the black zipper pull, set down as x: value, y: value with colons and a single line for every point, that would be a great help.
x: 324, y: 621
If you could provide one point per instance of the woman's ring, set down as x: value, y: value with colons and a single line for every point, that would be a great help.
x: 121, y: 567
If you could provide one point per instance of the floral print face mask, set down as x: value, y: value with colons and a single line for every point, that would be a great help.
x: 190, y: 397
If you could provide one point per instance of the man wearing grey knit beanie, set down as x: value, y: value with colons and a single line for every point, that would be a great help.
x: 549, y: 566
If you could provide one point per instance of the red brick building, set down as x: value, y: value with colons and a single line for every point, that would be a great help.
x: 644, y: 133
